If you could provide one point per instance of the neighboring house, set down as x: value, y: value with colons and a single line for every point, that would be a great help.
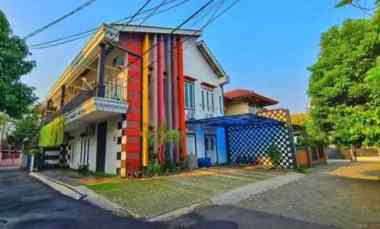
x: 242, y: 101
x: 306, y: 155
x: 210, y: 142
x: 128, y: 81
x: 245, y: 133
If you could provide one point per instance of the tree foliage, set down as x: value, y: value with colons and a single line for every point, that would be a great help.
x: 15, y: 96
x: 344, y: 85
x: 26, y: 130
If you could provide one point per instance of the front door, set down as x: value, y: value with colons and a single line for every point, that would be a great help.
x: 101, y: 147
x: 210, y: 148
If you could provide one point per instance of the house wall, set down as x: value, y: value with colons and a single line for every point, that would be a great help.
x: 235, y: 108
x: 195, y: 66
x: 112, y: 148
x: 75, y: 143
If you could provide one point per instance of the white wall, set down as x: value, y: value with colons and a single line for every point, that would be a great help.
x: 197, y: 67
x: 111, y: 163
x: 75, y: 144
x: 112, y: 147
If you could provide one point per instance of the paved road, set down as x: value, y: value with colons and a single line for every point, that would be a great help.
x: 26, y: 203
x: 229, y: 217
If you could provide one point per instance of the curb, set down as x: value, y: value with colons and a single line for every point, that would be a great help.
x: 179, y: 212
x: 83, y: 193
x: 329, y: 161
x: 245, y: 192
x: 61, y: 187
x: 105, y: 203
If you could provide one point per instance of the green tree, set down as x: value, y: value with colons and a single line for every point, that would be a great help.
x: 15, y: 96
x: 27, y: 130
x: 344, y: 85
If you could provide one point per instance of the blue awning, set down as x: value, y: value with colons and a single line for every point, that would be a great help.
x: 234, y: 120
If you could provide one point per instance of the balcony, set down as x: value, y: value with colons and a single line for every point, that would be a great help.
x: 94, y: 104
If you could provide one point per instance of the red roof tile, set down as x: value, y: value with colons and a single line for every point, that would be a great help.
x: 249, y: 95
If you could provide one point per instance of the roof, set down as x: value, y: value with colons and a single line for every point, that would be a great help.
x: 235, y: 120
x: 212, y: 61
x: 153, y: 29
x: 251, y: 96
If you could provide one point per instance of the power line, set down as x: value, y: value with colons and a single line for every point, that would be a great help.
x: 209, y: 22
x: 134, y: 16
x: 89, y: 31
x: 85, y: 34
x: 76, y: 10
x: 153, y: 11
x: 176, y: 28
x: 217, y: 5
x: 220, y: 14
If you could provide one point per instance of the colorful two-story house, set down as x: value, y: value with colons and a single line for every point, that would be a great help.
x: 126, y: 83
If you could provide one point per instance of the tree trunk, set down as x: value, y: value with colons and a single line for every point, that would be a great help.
x: 353, y: 152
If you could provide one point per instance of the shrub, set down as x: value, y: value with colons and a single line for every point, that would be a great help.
x: 275, y: 155
x: 153, y: 169
x: 301, y: 169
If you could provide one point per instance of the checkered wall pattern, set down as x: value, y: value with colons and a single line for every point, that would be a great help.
x: 250, y: 144
x: 121, y: 140
x: 281, y: 115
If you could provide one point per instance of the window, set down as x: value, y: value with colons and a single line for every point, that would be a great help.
x: 208, y: 101
x: 203, y: 100
x: 189, y: 96
x: 212, y: 102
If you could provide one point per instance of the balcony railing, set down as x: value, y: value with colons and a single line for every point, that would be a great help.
x: 109, y: 90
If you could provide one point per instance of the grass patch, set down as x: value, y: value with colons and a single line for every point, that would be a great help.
x: 148, y: 197
x: 158, y: 195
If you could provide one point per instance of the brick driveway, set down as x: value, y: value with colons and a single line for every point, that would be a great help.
x: 345, y: 195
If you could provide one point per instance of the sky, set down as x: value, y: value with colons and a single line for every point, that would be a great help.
x: 265, y: 46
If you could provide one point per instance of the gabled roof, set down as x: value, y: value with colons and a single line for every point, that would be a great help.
x: 154, y: 29
x: 251, y: 96
x: 212, y: 61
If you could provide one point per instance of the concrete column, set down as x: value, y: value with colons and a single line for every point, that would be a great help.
x: 101, y: 70
x: 221, y: 145
x: 200, y: 139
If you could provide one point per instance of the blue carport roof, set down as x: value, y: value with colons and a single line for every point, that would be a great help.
x: 234, y: 120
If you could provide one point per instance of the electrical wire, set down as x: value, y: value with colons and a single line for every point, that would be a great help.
x: 133, y: 17
x: 76, y: 10
x: 89, y: 31
x: 208, y: 23
x: 225, y: 10
x: 175, y: 29
x: 217, y: 5
x: 85, y: 34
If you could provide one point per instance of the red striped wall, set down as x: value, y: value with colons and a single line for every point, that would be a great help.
x: 133, y: 144
x: 132, y: 147
x: 181, y: 98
